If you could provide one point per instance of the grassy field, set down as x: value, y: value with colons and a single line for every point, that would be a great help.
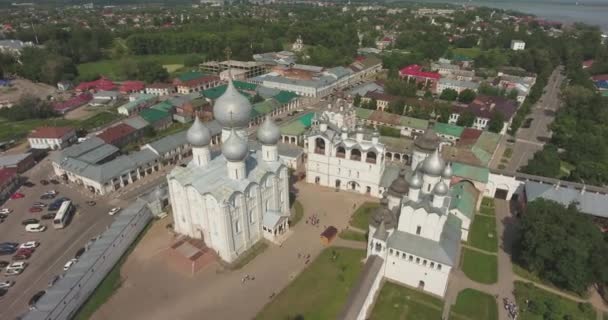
x: 108, y: 285
x: 483, y: 233
x: 360, y: 218
x: 474, y: 305
x: 98, y: 120
x: 487, y: 207
x: 111, y: 68
x: 353, y: 235
x: 468, y: 52
x: 321, y: 290
x: 20, y: 129
x: 479, y: 267
x: 398, y: 302
x: 298, y: 213
x: 546, y: 305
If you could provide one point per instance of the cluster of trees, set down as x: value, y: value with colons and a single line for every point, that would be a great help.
x: 28, y: 107
x: 562, y: 245
x: 145, y: 70
x: 465, y: 96
x: 41, y: 65
x: 487, y: 90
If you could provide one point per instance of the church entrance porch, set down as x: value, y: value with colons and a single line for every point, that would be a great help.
x: 275, y: 226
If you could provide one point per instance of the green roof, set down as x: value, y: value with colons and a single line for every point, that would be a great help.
x: 285, y: 97
x: 448, y: 129
x: 264, y: 107
x: 297, y: 126
x: 485, y: 146
x: 216, y: 92
x: 363, y: 113
x: 135, y: 103
x: 153, y: 115
x: 190, y: 76
x: 409, y: 122
x: 470, y: 172
x: 463, y: 198
x: 164, y: 106
x: 241, y: 85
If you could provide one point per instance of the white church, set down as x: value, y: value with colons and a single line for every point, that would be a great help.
x: 232, y: 199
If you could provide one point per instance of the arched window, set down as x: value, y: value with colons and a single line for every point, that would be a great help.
x: 389, y: 155
x: 341, y: 152
x: 319, y: 146
x: 397, y: 157
x: 355, y: 154
x: 371, y: 157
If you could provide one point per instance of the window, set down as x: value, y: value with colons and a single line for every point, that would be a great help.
x: 357, y: 174
x: 432, y: 264
x: 424, y: 263
x: 417, y: 260
x: 237, y: 227
x: 418, y: 230
x: 403, y: 255
x: 438, y: 266
x: 390, y: 251
x: 251, y: 216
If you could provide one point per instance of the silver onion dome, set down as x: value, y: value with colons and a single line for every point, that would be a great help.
x: 235, y: 148
x: 440, y: 189
x: 269, y: 133
x: 415, y: 181
x: 433, y: 165
x: 447, y: 171
x: 198, y: 135
x: 232, y: 109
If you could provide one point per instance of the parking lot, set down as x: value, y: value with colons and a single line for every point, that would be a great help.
x: 57, y: 246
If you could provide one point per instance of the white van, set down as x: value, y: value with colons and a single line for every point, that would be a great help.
x: 35, y: 227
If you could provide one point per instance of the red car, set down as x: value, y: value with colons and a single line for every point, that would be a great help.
x: 17, y: 195
x: 25, y: 251
x: 35, y: 209
x: 22, y: 256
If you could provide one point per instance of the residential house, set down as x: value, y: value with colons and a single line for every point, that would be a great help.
x: 160, y: 89
x: 456, y: 85
x: 484, y: 107
x: 101, y: 84
x: 102, y: 97
x: 382, y: 99
x: 131, y: 87
x: 195, y: 82
x: 20, y: 162
x: 52, y: 138
x: 407, y: 126
x: 416, y: 73
x: 63, y: 107
x: 120, y: 135
x: 158, y: 119
x: 517, y: 45
x: 9, y: 183
x: 14, y: 47
x: 136, y: 104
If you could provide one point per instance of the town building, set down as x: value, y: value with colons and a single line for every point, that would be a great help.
x: 137, y: 103
x: 195, y: 82
x: 14, y: 47
x: 120, y: 135
x: 414, y: 72
x: 456, y: 85
x: 20, y: 161
x: 160, y: 89
x: 9, y: 183
x: 131, y: 87
x: 517, y: 45
x: 102, y: 98
x: 383, y: 100
x: 252, y: 68
x: 234, y: 199
x: 298, y: 45
x: 484, y: 108
x: 51, y: 138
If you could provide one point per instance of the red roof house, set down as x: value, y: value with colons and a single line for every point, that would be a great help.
x: 415, y: 71
x: 132, y: 86
x: 118, y: 135
x: 64, y: 106
x: 101, y: 84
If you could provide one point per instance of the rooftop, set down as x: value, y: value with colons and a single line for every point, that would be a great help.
x: 51, y: 132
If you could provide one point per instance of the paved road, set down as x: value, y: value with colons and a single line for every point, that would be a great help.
x: 529, y: 140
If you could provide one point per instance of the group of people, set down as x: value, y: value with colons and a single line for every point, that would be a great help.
x: 313, y: 220
x: 306, y: 257
x: 511, y: 307
x: 247, y: 277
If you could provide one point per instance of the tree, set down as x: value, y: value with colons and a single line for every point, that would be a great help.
x: 28, y: 107
x: 443, y: 111
x: 560, y: 244
x: 545, y: 162
x: 192, y: 60
x: 151, y: 71
x: 397, y: 106
x: 466, y: 119
x: 467, y: 96
x: 357, y: 101
x: 257, y: 98
x: 497, y: 122
x: 448, y: 95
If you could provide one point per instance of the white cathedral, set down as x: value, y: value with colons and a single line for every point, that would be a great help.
x: 413, y: 230
x: 235, y: 198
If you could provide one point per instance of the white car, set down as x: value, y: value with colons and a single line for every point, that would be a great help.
x: 6, y: 210
x: 35, y: 227
x: 6, y: 284
x: 13, y: 272
x: 29, y: 245
x: 114, y: 211
x: 52, y: 192
x: 15, y: 268
x: 69, y: 264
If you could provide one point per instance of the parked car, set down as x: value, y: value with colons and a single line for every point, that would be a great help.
x: 3, y: 292
x: 9, y: 244
x: 79, y: 253
x: 22, y: 256
x: 35, y: 228
x: 48, y: 216
x: 6, y: 210
x: 53, y: 280
x: 39, y: 204
x: 29, y: 184
x: 17, y: 195
x: 7, y: 250
x: 3, y: 216
x: 46, y: 197
x: 69, y: 264
x: 35, y: 298
x: 35, y: 209
x: 30, y: 221
x: 26, y: 250
x: 29, y: 245
x: 15, y: 268
x: 53, y: 192
x: 114, y: 211
x: 6, y: 284
x: 44, y: 182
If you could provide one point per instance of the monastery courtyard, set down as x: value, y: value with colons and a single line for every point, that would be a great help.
x: 152, y: 288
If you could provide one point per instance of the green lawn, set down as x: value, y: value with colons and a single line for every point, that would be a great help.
x: 353, y: 235
x: 487, y: 202
x: 20, y: 129
x: 508, y: 153
x: 98, y: 120
x: 468, y: 52
x: 111, y: 68
x: 298, y: 213
x: 321, y: 290
x: 546, y: 305
x: 360, y: 218
x: 108, y: 285
x: 479, y: 266
x: 483, y: 233
x: 473, y: 304
x: 398, y: 302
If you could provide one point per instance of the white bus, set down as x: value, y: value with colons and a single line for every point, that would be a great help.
x: 63, y: 215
